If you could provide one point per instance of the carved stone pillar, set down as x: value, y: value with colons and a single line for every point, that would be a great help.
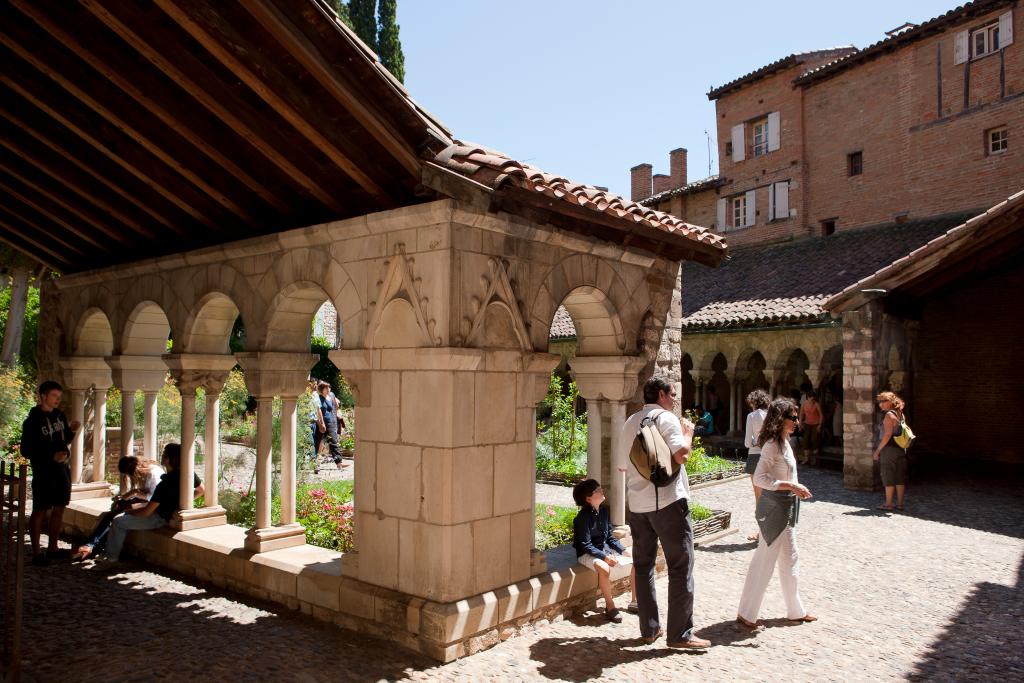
x: 594, y: 438
x: 190, y: 371
x: 138, y: 373
x: 614, y: 379
x: 149, y: 418
x: 99, y: 434
x: 446, y: 445
x: 270, y: 374
x: 80, y: 373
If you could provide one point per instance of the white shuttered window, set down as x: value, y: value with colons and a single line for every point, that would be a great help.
x: 778, y: 201
x: 960, y: 47
x: 1005, y: 28
x: 737, y: 143
x: 750, y: 209
x: 773, y: 131
x: 720, y: 223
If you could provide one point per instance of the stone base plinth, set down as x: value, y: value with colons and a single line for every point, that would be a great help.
x: 319, y: 582
x: 93, y: 489
x: 198, y: 518
x: 275, y: 538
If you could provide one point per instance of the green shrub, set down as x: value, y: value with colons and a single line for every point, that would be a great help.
x: 562, y: 439
x: 701, y: 461
x: 16, y: 398
x: 553, y: 525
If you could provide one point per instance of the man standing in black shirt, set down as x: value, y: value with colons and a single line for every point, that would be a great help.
x: 45, y: 435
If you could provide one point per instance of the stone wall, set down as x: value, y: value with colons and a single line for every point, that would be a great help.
x: 861, y: 331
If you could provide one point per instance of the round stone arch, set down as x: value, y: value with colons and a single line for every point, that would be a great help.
x: 145, y: 330
x: 294, y: 288
x: 93, y: 335
x: 205, y: 297
x: 598, y: 302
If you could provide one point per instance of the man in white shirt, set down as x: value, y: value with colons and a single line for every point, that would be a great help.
x: 662, y: 513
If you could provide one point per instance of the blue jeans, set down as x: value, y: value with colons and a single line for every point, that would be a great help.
x: 123, y: 524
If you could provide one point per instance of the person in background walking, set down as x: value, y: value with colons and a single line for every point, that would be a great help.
x: 893, y: 458
x: 45, y: 435
x: 810, y: 420
x: 778, y: 509
x: 329, y: 405
x: 758, y: 401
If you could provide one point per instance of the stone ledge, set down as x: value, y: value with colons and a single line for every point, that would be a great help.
x: 315, y: 581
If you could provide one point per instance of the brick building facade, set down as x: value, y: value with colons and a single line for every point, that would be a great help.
x: 833, y: 164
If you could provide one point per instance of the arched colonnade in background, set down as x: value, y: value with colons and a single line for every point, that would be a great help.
x: 784, y: 362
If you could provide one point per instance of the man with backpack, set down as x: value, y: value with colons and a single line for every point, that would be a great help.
x: 657, y: 492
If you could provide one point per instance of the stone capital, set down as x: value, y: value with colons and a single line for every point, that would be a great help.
x: 614, y: 378
x: 276, y: 373
x: 137, y: 373
x: 193, y: 370
x: 82, y: 372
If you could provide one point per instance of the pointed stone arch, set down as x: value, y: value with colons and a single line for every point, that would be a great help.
x: 499, y: 320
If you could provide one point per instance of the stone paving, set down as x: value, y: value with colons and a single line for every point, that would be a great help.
x: 936, y: 593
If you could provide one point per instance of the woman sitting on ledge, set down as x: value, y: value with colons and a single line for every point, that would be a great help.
x: 161, y: 507
x: 144, y: 476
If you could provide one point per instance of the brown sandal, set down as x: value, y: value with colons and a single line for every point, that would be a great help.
x: 807, y: 618
x: 751, y: 625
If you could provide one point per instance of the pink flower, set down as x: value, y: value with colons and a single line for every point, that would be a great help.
x: 551, y: 511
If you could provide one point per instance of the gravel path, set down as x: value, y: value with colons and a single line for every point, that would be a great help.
x: 933, y: 594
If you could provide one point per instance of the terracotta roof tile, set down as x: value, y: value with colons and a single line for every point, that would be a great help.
x: 695, y: 186
x: 562, y: 326
x: 790, y: 282
x: 494, y: 169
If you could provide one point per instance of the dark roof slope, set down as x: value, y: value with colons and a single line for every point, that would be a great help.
x: 777, y: 66
x: 928, y: 28
x: 787, y: 283
x: 708, y: 183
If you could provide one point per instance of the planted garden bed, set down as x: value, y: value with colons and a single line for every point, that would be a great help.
x: 719, y: 520
x: 715, y: 475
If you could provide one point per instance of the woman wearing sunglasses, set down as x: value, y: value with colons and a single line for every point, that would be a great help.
x: 777, y: 512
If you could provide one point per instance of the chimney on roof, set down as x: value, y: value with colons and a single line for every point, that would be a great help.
x: 677, y: 167
x: 640, y: 182
x: 662, y: 182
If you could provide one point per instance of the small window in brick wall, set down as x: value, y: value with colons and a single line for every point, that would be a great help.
x: 998, y: 140
x: 855, y: 163
x: 828, y: 227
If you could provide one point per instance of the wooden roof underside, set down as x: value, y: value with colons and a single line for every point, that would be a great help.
x: 130, y: 129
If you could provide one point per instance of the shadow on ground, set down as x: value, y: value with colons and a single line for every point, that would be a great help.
x: 586, y: 659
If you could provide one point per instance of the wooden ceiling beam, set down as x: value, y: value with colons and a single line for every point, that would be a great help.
x: 80, y: 214
x: 299, y: 46
x: 268, y: 94
x: 214, y: 103
x: 32, y: 249
x: 73, y: 159
x: 172, y: 120
x: 74, y: 230
x: 14, y: 218
x: 109, y: 115
x: 109, y: 153
x: 67, y: 183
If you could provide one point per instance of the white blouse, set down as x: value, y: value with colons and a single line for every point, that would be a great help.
x: 755, y: 420
x: 775, y: 466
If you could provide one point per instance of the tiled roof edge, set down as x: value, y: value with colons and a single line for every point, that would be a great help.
x: 928, y: 28
x: 770, y: 69
x: 695, y: 186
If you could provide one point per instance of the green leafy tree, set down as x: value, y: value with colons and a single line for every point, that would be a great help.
x: 562, y: 442
x: 389, y: 45
x: 363, y: 14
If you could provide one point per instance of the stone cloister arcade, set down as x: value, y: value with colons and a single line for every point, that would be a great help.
x: 445, y: 313
x: 782, y: 362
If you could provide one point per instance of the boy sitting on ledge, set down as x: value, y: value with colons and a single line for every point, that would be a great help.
x: 596, y: 548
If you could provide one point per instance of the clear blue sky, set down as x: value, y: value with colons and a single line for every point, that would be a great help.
x: 589, y: 88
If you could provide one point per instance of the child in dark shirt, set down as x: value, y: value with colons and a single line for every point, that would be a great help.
x: 596, y: 548
x: 45, y: 435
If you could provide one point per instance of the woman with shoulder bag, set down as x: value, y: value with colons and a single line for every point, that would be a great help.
x: 893, y: 459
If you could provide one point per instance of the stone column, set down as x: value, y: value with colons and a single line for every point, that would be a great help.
x: 99, y: 434
x: 127, y: 422
x: 191, y: 371
x: 270, y: 374
x: 861, y: 329
x: 733, y: 405
x: 80, y: 373
x: 613, y: 378
x: 594, y: 438
x: 212, y: 442
x: 78, y: 442
x: 264, y: 459
x: 149, y: 418
x: 617, y: 495
x: 288, y: 406
x: 445, y: 465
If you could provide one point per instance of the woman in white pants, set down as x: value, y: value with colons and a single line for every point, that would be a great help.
x: 778, y: 509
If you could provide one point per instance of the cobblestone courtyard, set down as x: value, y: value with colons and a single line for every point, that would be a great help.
x: 936, y: 593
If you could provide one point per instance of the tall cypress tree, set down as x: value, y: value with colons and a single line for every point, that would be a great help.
x: 389, y: 45
x: 341, y: 9
x: 364, y: 19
